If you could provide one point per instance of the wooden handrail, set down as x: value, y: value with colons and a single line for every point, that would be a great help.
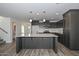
x: 3, y: 30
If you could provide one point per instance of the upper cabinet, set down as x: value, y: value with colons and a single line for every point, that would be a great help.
x: 60, y: 24
x: 48, y: 24
x: 35, y: 22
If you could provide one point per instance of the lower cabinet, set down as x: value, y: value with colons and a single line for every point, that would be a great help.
x: 37, y: 43
x: 18, y: 44
x: 26, y: 43
x: 46, y: 43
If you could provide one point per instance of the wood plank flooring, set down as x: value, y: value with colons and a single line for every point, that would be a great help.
x: 10, y: 50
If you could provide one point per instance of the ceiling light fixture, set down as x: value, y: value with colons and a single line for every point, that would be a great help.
x: 30, y: 20
x: 57, y: 13
x: 44, y: 20
x: 37, y: 13
x: 52, y: 21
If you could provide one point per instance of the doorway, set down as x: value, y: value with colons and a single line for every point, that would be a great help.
x: 13, y: 31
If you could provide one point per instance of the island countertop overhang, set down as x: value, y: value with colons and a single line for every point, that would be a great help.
x: 37, y: 35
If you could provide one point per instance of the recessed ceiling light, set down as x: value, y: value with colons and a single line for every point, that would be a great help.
x: 30, y: 20
x: 44, y: 20
x: 52, y: 21
x: 37, y: 13
x: 57, y: 13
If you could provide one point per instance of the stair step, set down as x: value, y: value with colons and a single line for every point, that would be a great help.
x: 2, y: 42
x: 1, y: 39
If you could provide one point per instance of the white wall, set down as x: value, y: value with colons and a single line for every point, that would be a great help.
x: 18, y: 26
x: 5, y: 23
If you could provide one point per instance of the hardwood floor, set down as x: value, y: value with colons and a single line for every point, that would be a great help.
x: 10, y: 50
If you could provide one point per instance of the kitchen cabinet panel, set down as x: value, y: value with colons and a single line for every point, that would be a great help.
x: 71, y: 29
x: 37, y: 43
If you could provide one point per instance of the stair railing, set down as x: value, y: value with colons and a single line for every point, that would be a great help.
x: 3, y: 30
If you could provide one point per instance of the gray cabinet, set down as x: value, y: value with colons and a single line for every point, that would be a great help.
x: 26, y: 43
x: 71, y: 29
x: 37, y: 43
x: 23, y: 42
x: 18, y: 44
x: 43, y: 43
x: 46, y: 43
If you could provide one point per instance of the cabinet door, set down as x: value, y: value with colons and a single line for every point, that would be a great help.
x: 50, y: 42
x: 35, y: 42
x: 18, y: 44
x: 67, y: 29
x: 31, y: 44
x: 23, y: 43
x: 46, y: 43
x: 39, y: 43
x: 26, y: 43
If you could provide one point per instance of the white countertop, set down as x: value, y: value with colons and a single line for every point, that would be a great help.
x: 38, y: 35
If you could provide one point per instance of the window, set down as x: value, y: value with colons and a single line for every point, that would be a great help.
x: 22, y: 30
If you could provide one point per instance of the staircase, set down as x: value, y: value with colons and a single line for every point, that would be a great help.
x: 2, y: 42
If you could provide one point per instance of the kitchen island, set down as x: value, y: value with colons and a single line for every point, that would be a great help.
x: 36, y: 41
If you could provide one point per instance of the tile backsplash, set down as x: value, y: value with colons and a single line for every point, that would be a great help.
x: 36, y: 28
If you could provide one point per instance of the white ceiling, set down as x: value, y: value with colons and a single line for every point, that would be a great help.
x: 21, y: 11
